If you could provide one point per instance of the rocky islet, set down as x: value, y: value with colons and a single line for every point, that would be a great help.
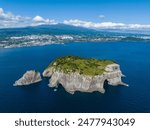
x: 69, y: 72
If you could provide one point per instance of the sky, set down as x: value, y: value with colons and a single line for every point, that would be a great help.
x: 117, y: 14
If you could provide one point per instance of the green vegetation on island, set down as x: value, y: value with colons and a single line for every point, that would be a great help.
x: 71, y: 64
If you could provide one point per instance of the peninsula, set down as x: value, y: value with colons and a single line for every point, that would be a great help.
x: 84, y: 75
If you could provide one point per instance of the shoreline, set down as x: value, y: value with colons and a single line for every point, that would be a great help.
x: 49, y: 44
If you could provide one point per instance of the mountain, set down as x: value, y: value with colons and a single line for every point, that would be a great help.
x: 47, y: 29
x: 59, y: 29
x: 61, y: 33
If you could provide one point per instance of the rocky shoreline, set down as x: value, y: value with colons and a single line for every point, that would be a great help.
x: 73, y: 82
x: 30, y: 77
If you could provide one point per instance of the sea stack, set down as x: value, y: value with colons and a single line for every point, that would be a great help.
x: 84, y: 75
x: 30, y: 77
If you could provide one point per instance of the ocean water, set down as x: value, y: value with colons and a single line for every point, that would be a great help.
x: 134, y: 59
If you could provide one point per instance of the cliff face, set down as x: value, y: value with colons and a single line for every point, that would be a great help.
x: 76, y: 82
x: 28, y: 78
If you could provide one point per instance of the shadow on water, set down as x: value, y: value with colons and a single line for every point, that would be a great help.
x: 86, y: 102
x: 32, y: 87
x: 106, y: 86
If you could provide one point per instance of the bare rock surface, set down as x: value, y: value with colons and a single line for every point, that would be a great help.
x: 76, y: 82
x: 30, y: 77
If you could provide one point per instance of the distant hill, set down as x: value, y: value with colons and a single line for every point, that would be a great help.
x: 59, y: 29
x: 48, y: 29
x: 61, y: 33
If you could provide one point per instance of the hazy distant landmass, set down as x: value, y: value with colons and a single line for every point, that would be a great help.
x: 61, y: 33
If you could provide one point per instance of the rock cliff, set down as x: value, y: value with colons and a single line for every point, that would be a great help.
x: 30, y: 77
x: 74, y: 81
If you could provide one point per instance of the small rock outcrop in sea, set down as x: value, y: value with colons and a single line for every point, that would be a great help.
x: 30, y: 77
x: 85, y: 75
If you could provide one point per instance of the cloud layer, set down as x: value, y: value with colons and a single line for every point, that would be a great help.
x: 8, y: 20
x: 105, y: 25
x: 101, y: 16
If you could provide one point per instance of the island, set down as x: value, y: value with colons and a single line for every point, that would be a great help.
x: 82, y: 74
x: 30, y: 77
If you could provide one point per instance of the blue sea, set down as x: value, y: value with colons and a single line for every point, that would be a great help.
x: 134, y: 59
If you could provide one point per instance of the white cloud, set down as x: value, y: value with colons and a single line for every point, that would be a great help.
x: 105, y: 25
x: 89, y: 24
x: 38, y: 20
x: 8, y: 20
x: 101, y: 16
x: 1, y: 11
